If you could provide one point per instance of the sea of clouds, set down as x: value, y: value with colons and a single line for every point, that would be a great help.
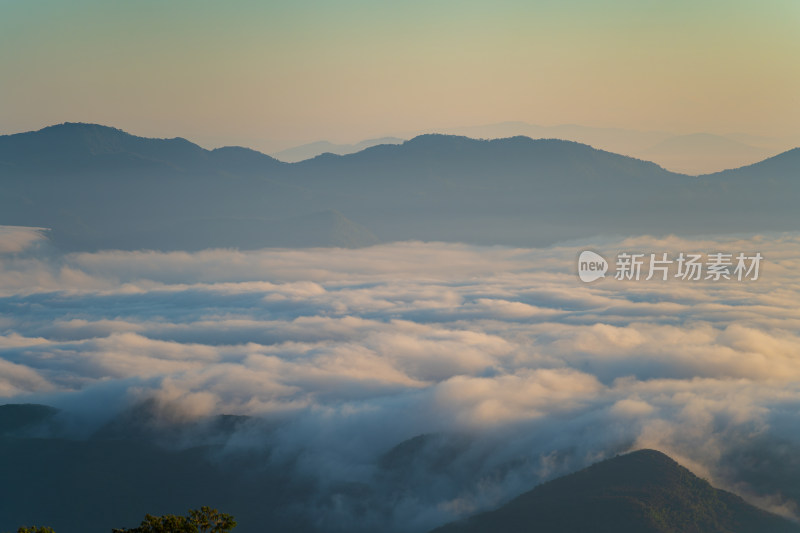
x: 514, y: 369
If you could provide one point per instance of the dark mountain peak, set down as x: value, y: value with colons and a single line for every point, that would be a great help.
x: 643, y: 492
x: 437, y: 138
x: 437, y: 143
x: 15, y: 417
x: 100, y: 139
x: 80, y: 147
x: 521, y: 153
x: 243, y: 159
x: 642, y: 471
x: 325, y: 157
x: 67, y: 138
x: 520, y: 145
x: 457, y: 150
x: 85, y: 127
x: 87, y: 131
x: 642, y: 466
x: 239, y: 150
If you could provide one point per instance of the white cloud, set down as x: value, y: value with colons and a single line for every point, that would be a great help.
x: 360, y: 349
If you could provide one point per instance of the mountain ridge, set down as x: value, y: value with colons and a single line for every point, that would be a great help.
x: 101, y: 139
x: 99, y: 187
x: 313, y: 149
x: 112, y: 465
x: 644, y: 491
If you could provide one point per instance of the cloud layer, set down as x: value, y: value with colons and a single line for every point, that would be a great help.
x: 514, y: 369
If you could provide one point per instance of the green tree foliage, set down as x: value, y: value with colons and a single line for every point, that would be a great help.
x: 204, y: 520
x: 162, y: 524
x: 209, y: 520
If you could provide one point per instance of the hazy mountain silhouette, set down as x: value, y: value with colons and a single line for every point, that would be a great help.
x: 781, y: 169
x: 641, y: 492
x: 307, y: 151
x: 618, y: 140
x: 691, y: 154
x: 99, y: 187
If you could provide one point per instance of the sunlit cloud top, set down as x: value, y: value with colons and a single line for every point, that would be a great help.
x: 347, y: 353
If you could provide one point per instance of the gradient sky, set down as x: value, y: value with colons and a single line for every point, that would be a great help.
x: 254, y: 73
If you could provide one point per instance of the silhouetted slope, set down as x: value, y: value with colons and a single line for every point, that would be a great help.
x: 72, y: 147
x: 236, y: 159
x: 307, y: 151
x: 504, y: 191
x: 18, y: 417
x: 139, y: 464
x: 641, y: 492
x: 765, y: 193
x: 152, y: 459
x: 99, y: 187
x: 784, y: 167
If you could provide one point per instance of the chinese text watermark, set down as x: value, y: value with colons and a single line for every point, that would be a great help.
x: 716, y: 266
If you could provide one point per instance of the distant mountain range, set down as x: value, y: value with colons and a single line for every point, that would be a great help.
x: 641, y: 492
x: 307, y: 151
x: 694, y: 154
x: 99, y: 187
x: 138, y: 463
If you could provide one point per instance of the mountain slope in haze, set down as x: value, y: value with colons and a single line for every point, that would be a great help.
x: 137, y: 463
x: 72, y: 147
x: 691, y: 154
x: 98, y: 187
x: 307, y: 151
x: 612, y: 139
x: 520, y: 191
x: 59, y: 470
x: 641, y: 492
x: 504, y: 191
x: 780, y: 169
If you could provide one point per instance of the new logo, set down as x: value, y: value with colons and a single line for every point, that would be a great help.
x: 591, y: 266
